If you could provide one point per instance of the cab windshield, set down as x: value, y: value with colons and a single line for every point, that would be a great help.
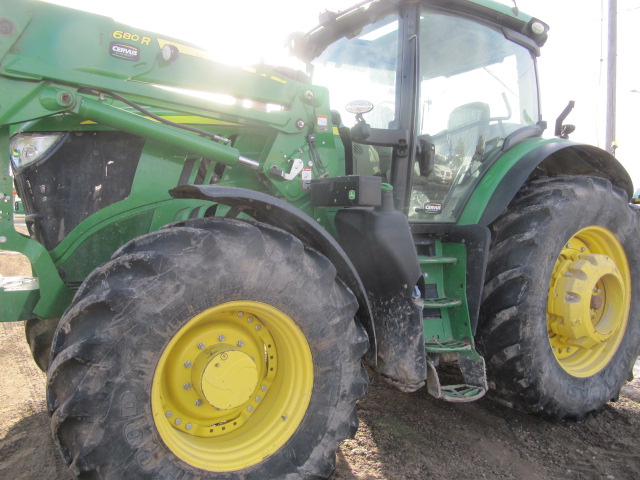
x: 363, y: 67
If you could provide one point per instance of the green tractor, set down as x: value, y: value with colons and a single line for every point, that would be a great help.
x: 216, y: 250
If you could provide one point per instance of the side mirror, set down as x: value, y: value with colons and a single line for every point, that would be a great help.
x: 563, y: 131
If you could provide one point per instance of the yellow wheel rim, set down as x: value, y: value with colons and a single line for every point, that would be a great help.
x: 588, y: 302
x: 232, y: 386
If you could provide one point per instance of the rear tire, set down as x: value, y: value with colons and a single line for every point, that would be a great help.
x: 212, y: 349
x: 560, y: 324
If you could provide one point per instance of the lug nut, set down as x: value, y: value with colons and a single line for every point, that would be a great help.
x: 187, y: 386
x: 169, y: 414
x: 240, y: 343
x: 198, y: 403
x: 201, y: 346
x: 188, y: 426
x: 187, y: 364
x: 221, y: 338
x: 178, y: 421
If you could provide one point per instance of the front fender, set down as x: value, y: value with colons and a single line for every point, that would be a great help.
x: 278, y: 213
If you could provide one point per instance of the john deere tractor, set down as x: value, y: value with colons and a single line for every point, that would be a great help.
x: 216, y: 250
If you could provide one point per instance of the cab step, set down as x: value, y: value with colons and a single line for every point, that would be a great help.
x: 426, y: 260
x: 474, y: 373
x: 442, y: 302
x: 450, y: 346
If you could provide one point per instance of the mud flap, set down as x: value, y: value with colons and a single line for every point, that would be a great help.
x: 401, y: 354
x: 380, y: 244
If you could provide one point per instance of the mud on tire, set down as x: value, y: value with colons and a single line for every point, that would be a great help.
x: 104, y: 385
x: 528, y: 365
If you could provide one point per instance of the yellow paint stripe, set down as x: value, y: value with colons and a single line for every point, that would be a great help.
x: 186, y: 49
x: 182, y: 119
x: 199, y: 120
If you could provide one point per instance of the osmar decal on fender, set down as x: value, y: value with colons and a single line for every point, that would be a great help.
x: 124, y: 51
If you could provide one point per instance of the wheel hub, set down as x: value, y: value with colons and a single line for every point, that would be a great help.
x: 224, y: 376
x: 221, y: 400
x: 580, y: 313
x: 588, y: 302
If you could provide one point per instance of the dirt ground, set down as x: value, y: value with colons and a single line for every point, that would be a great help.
x: 401, y: 436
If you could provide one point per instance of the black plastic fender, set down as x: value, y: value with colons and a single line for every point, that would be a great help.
x: 278, y: 213
x: 380, y: 244
x: 557, y: 158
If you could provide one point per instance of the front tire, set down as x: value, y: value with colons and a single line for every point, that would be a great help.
x: 559, y: 322
x: 213, y: 349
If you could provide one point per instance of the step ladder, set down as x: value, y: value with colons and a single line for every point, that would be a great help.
x: 441, y: 309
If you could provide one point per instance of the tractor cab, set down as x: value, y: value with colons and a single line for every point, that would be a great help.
x: 450, y: 94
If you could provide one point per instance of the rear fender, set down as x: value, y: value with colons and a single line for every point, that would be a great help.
x: 273, y: 211
x: 556, y: 158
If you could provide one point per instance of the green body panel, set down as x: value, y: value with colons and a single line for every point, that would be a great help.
x: 95, y: 246
x: 486, y: 188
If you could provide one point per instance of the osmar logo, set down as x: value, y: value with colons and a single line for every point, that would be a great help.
x: 124, y: 51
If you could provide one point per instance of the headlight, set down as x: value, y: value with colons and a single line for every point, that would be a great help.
x: 28, y: 148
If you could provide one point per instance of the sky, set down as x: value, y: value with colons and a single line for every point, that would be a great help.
x: 572, y: 65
